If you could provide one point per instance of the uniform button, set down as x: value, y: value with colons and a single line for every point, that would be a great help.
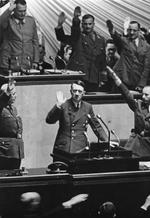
x: 72, y: 137
x: 72, y: 131
x: 73, y: 124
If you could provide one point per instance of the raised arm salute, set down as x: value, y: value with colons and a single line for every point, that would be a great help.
x: 139, y: 141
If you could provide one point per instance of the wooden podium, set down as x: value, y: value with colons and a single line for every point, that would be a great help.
x: 96, y: 160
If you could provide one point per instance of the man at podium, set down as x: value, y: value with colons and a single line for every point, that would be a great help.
x: 74, y: 115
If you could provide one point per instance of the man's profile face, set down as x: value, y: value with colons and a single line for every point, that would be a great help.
x: 77, y: 92
x: 20, y: 11
x: 88, y: 25
x: 67, y: 53
x: 146, y: 95
x: 110, y: 49
x: 133, y: 31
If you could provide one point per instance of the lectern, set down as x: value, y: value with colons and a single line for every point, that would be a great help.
x: 98, y: 159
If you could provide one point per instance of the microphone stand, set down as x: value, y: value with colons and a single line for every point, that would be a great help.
x: 118, y: 140
x: 54, y: 63
x: 92, y: 123
x: 10, y: 80
x: 88, y: 144
x: 109, y: 148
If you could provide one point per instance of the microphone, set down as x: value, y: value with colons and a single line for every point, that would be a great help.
x: 51, y: 58
x: 116, y: 136
x: 87, y: 138
x: 99, y: 117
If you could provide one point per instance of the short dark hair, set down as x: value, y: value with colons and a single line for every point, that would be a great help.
x: 22, y: 2
x: 87, y: 16
x: 135, y: 22
x: 111, y: 41
x: 107, y: 210
x: 78, y: 82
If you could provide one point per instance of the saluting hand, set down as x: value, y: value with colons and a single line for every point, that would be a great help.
x: 126, y: 25
x: 60, y: 98
x: 12, y: 5
x: 110, y: 25
x: 77, y: 12
x: 75, y: 200
x: 61, y: 19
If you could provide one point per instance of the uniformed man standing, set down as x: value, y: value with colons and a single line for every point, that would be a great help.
x: 73, y: 115
x: 11, y: 143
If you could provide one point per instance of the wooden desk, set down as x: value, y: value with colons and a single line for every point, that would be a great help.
x: 107, y: 98
x: 127, y: 190
x: 59, y: 77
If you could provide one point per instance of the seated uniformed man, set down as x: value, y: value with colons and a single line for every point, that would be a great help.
x: 73, y: 115
x: 11, y: 143
x: 63, y: 56
x: 42, y: 65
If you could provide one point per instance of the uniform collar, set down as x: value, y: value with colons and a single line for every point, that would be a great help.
x: 77, y: 105
x: 19, y: 21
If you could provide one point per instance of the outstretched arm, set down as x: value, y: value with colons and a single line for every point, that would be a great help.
x: 123, y: 89
x: 67, y: 204
x: 75, y: 200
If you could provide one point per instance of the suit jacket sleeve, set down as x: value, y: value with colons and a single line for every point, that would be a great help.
x: 4, y: 19
x: 75, y: 31
x: 3, y: 100
x: 53, y: 115
x: 96, y: 127
x: 146, y: 70
x: 118, y: 40
x: 62, y: 37
x: 141, y: 214
x: 132, y: 103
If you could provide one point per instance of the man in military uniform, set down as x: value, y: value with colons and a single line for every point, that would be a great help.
x: 88, y: 46
x: 73, y: 115
x: 11, y: 143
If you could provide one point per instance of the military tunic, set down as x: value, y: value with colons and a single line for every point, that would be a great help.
x: 73, y: 122
x: 11, y: 143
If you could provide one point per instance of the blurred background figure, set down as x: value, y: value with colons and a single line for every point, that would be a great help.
x: 107, y: 210
x: 31, y: 202
x: 31, y: 206
x: 63, y: 56
x: 42, y: 65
